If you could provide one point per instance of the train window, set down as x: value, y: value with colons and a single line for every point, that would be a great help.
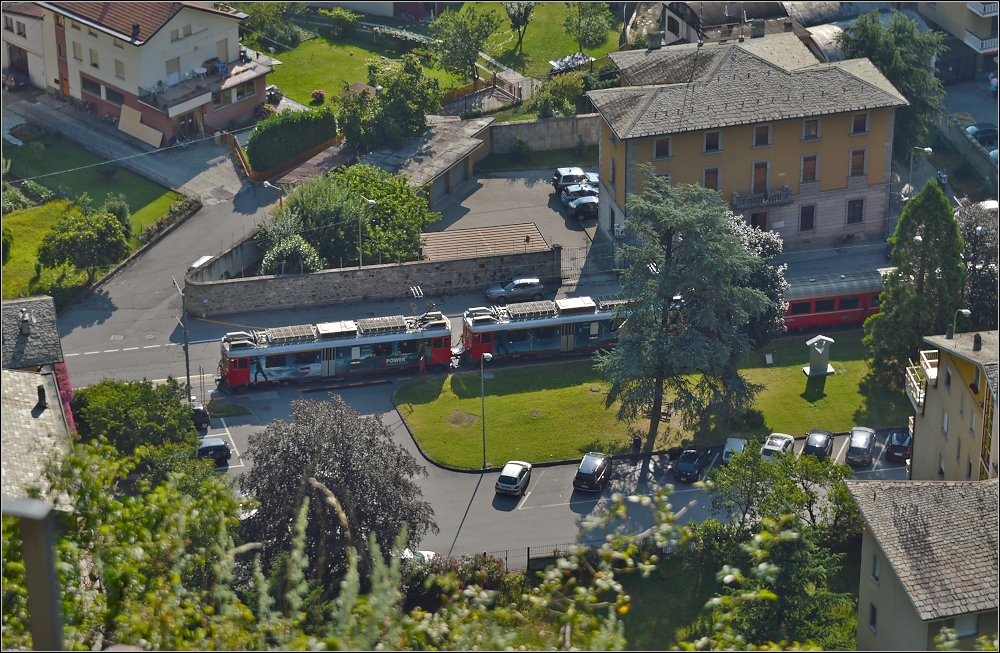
x: 355, y: 353
x: 382, y: 349
x: 517, y: 335
x: 232, y: 364
x: 243, y: 363
x: 406, y: 347
x: 595, y: 328
x: 876, y: 300
x: 447, y: 342
x: 824, y: 305
x: 274, y: 360
x: 306, y: 357
x: 800, y: 308
x: 436, y: 343
x: 847, y: 303
x: 546, y: 333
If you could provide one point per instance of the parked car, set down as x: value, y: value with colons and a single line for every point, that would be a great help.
x: 419, y: 556
x: 516, y: 290
x: 777, y: 443
x: 13, y: 79
x: 862, y: 448
x: 200, y: 416
x: 691, y: 464
x: 733, y: 447
x: 216, y: 449
x: 819, y: 444
x: 564, y: 177
x: 985, y: 133
x: 593, y: 178
x: 575, y: 191
x: 514, y: 478
x: 584, y: 208
x: 900, y: 444
x: 594, y: 472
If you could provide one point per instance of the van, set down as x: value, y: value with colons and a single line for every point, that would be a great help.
x: 200, y: 262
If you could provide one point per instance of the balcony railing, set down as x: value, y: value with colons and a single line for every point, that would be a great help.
x: 984, y: 9
x: 916, y: 386
x: 194, y: 91
x: 769, y: 198
x: 929, y: 363
x: 981, y: 46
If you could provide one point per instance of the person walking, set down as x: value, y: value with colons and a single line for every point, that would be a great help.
x: 258, y: 370
x: 993, y: 85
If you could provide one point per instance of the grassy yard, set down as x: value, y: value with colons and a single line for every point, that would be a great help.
x: 29, y: 227
x: 551, y: 412
x: 321, y: 63
x: 538, y: 160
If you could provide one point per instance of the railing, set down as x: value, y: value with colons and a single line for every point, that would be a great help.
x: 156, y: 97
x: 984, y: 9
x: 770, y: 198
x: 980, y: 45
x: 929, y: 363
x: 916, y: 386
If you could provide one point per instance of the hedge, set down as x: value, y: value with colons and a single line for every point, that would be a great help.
x: 286, y: 135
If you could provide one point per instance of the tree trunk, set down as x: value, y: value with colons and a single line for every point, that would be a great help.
x: 666, y: 241
x: 654, y: 412
x: 520, y: 41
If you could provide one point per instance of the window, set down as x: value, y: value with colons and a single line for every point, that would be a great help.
x: 119, y: 69
x: 187, y: 30
x: 114, y: 97
x: 958, y: 450
x: 848, y: 303
x: 858, y: 162
x: 245, y: 90
x: 91, y: 32
x: 877, y: 300
x: 810, y: 129
x: 944, y: 422
x: 74, y: 26
x: 222, y: 98
x: 61, y: 21
x: 801, y: 308
x: 274, y: 360
x: 968, y: 470
x: 406, y: 347
x: 93, y: 59
x: 243, y: 363
x: 77, y: 51
x: 673, y: 26
x: 517, y: 335
x: 972, y: 423
x: 872, y: 616
x: 90, y: 86
x: 762, y: 136
x: 21, y: 30
x: 711, y: 180
x: 941, y: 466
x: 961, y: 404
x: 8, y: 23
x: 809, y: 167
x: 546, y: 333
x: 975, y: 381
x: 382, y: 349
x: 612, y: 180
x: 824, y: 305
x: 967, y: 625
x: 306, y: 357
x: 713, y: 141
x: 947, y: 379
x: 875, y: 567
x: 175, y: 35
x: 855, y: 211
x: 595, y: 328
x: 118, y: 44
x: 661, y: 148
x: 61, y: 50
x: 807, y: 218
x: 859, y: 125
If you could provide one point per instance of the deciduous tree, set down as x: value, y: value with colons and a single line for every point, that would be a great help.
x: 520, y: 14
x: 588, y: 23
x: 87, y: 242
x: 978, y: 228
x: 924, y: 291
x: 292, y: 255
x: 460, y: 36
x: 748, y: 489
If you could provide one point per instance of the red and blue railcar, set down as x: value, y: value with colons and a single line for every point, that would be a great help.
x: 834, y: 299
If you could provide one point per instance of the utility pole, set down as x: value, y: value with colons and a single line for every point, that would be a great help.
x: 184, y: 325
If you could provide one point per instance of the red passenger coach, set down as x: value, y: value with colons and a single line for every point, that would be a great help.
x: 835, y: 299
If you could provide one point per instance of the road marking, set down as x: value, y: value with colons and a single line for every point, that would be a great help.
x: 89, y: 353
x: 881, y: 453
x: 150, y: 346
x: 565, y: 503
x: 110, y: 351
x: 232, y: 442
x: 840, y: 453
x: 172, y: 344
x: 125, y: 349
x: 523, y: 499
x: 68, y: 355
x: 201, y: 342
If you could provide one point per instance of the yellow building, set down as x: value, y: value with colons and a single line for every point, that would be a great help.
x: 796, y: 146
x: 974, y: 26
x: 928, y: 561
x: 953, y: 389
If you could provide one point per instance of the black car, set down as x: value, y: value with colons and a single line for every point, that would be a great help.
x: 900, y: 444
x: 862, y: 448
x: 14, y: 79
x: 691, y: 464
x: 985, y: 133
x: 594, y: 472
x: 200, y: 416
x: 819, y: 444
x: 216, y: 449
x: 583, y: 208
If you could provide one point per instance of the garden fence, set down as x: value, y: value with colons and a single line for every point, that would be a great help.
x: 534, y: 558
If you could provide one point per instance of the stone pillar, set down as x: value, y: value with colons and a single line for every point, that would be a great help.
x: 819, y: 357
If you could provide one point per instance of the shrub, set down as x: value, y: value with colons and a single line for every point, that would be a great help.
x: 117, y: 205
x: 319, y: 96
x: 107, y: 169
x: 37, y: 192
x: 13, y: 200
x: 8, y: 242
x: 262, y: 112
x: 343, y: 21
x: 399, y: 39
x: 28, y: 131
x: 288, y: 134
x: 292, y: 255
x: 522, y: 148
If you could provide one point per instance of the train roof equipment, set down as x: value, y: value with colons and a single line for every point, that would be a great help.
x: 491, y: 318
x: 834, y: 285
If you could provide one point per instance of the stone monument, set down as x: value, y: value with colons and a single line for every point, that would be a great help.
x: 819, y: 357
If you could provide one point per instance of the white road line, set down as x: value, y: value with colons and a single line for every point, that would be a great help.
x: 150, y: 346
x: 882, y: 453
x: 129, y: 348
x: 110, y: 351
x: 840, y: 453
x: 202, y: 342
x: 68, y: 355
x: 89, y: 353
x: 171, y: 344
x: 523, y: 499
x: 565, y: 503
x: 232, y: 442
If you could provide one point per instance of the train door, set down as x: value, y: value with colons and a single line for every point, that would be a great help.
x: 329, y: 367
x: 238, y: 372
x: 566, y: 343
x: 441, y: 351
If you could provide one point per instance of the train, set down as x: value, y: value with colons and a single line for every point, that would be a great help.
x: 536, y: 329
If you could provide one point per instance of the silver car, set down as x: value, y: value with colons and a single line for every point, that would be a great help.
x: 514, y: 478
x: 516, y: 290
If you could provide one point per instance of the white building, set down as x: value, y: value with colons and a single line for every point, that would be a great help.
x: 23, y: 47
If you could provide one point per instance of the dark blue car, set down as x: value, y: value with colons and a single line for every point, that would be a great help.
x: 691, y: 464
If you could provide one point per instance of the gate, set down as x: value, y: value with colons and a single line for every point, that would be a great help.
x: 588, y: 261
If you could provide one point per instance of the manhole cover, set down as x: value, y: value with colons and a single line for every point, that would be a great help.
x: 534, y: 413
x: 487, y: 375
x: 149, y: 336
x: 117, y: 337
x: 595, y: 388
x: 265, y: 408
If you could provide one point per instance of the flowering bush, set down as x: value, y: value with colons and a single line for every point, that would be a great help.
x: 65, y: 394
x: 319, y: 95
x: 264, y: 110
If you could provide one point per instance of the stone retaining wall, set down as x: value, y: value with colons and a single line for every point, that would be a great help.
x: 547, y: 133
x: 975, y: 154
x: 210, y: 291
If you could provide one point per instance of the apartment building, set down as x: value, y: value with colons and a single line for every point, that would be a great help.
x: 928, y: 561
x: 23, y: 40
x: 168, y: 69
x: 796, y: 146
x: 974, y: 28
x: 953, y: 389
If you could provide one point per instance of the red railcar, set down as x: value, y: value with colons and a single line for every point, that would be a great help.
x: 835, y: 299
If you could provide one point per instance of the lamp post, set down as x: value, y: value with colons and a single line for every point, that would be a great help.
x: 925, y: 150
x: 184, y: 325
x: 965, y: 312
x: 370, y: 204
x: 482, y: 395
x: 281, y: 193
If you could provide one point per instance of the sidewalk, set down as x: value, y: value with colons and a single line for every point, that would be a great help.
x: 205, y: 171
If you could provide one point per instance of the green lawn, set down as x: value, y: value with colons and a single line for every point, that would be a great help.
x: 321, y: 63
x: 545, y: 39
x: 538, y: 160
x: 29, y: 227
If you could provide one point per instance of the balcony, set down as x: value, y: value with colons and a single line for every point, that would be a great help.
x: 984, y: 9
x: 919, y: 375
x: 929, y: 364
x: 191, y: 93
x: 770, y: 198
x: 982, y: 46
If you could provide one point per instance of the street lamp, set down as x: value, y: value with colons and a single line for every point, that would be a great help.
x: 281, y: 192
x: 965, y: 312
x: 184, y: 325
x: 370, y: 204
x: 482, y: 395
x: 925, y: 150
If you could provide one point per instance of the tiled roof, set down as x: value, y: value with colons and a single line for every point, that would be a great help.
x: 42, y: 346
x: 941, y: 539
x: 119, y: 16
x: 991, y: 377
x: 746, y: 86
x: 23, y: 8
x: 32, y: 435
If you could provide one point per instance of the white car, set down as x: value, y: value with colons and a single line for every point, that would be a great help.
x: 514, y: 478
x: 777, y: 443
x: 419, y: 556
x: 733, y: 447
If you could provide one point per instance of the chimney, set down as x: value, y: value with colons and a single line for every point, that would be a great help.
x: 949, y: 332
x: 42, y: 401
x: 655, y: 40
x: 788, y: 25
x: 25, y: 322
x: 757, y: 28
x: 135, y: 30
x: 977, y: 342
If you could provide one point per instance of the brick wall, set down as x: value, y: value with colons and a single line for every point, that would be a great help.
x: 209, y: 292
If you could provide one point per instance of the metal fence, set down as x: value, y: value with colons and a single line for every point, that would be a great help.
x: 588, y: 261
x: 535, y: 557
